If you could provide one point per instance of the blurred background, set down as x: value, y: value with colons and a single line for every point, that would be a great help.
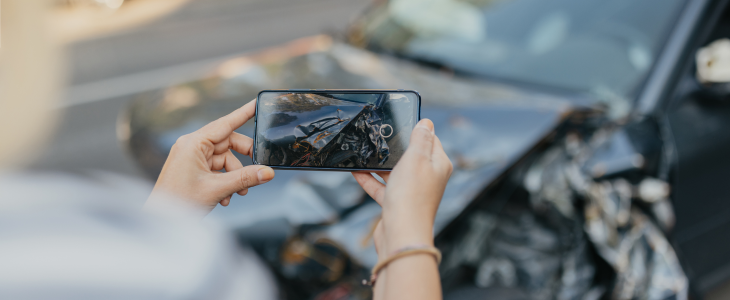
x: 588, y: 137
x: 115, y: 49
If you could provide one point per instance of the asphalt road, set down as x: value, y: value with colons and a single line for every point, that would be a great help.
x: 105, y: 71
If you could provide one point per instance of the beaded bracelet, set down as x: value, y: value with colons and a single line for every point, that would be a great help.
x: 402, y: 252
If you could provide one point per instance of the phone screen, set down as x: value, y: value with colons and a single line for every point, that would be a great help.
x: 334, y: 129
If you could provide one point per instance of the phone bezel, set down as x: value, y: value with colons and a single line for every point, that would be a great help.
x: 327, y: 91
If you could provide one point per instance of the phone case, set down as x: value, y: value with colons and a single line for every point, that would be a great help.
x: 320, y: 142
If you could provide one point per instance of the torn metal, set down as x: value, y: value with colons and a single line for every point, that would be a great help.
x: 624, y: 235
x: 330, y: 132
x: 549, y: 245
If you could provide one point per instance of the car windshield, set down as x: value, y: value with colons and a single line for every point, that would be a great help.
x: 592, y: 46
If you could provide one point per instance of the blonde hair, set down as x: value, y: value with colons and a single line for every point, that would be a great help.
x: 29, y: 80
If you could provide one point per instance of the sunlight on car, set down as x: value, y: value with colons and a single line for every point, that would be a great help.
x: 457, y: 19
x: 577, y: 46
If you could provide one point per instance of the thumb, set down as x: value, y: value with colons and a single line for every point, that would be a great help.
x: 244, y: 178
x: 422, y: 139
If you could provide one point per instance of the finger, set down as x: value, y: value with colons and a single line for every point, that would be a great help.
x: 439, y: 158
x: 379, y: 238
x: 384, y: 175
x: 244, y: 178
x: 220, y: 129
x: 421, y: 143
x: 217, y: 162
x: 236, y: 141
x: 232, y: 163
x: 226, y: 201
x: 370, y: 236
x: 225, y: 160
x: 241, y: 144
x: 243, y: 192
x: 372, y: 186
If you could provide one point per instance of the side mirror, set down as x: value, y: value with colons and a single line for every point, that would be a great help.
x: 713, y: 70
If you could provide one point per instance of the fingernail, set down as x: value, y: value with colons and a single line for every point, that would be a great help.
x: 425, y: 124
x: 265, y: 174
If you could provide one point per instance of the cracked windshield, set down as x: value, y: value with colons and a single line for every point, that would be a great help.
x: 599, y: 47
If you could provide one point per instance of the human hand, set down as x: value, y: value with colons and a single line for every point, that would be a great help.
x: 192, y: 170
x: 413, y: 192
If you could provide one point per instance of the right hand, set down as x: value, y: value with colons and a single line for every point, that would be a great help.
x: 413, y: 191
x: 191, y: 173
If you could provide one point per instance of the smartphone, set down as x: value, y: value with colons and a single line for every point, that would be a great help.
x: 334, y: 130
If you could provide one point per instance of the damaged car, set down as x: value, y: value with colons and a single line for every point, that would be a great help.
x: 333, y: 130
x: 589, y: 141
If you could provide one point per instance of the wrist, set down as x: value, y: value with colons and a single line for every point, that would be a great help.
x: 408, y: 220
x: 407, y: 232
x: 396, y: 243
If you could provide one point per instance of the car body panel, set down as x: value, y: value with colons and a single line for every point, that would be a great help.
x: 484, y: 128
x: 487, y: 129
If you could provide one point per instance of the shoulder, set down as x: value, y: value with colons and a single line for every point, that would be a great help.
x: 83, y: 237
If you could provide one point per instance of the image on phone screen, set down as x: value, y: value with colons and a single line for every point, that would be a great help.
x: 338, y: 130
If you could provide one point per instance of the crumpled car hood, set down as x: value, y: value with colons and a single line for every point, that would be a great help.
x: 328, y: 133
x: 485, y: 128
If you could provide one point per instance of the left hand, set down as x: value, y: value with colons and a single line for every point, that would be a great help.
x: 412, y: 193
x: 192, y: 170
x: 410, y: 199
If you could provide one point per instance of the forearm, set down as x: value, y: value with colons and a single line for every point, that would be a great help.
x: 415, y: 276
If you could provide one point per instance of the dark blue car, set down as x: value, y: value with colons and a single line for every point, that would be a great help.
x: 590, y: 162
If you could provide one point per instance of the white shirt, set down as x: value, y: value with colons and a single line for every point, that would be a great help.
x: 66, y: 236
